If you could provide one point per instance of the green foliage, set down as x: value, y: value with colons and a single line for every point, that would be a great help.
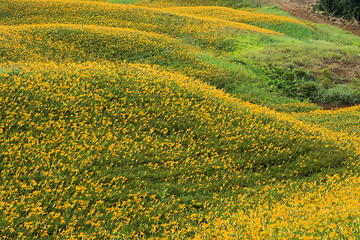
x: 294, y: 81
x: 303, y: 68
x: 339, y: 94
x: 298, y: 83
x: 327, y: 78
x: 349, y: 9
x: 309, y: 89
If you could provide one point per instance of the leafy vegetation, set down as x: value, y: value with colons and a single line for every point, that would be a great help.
x: 174, y: 120
x: 349, y: 9
x: 307, y: 70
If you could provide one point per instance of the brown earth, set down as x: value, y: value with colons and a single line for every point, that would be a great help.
x: 329, y: 106
x: 303, y: 9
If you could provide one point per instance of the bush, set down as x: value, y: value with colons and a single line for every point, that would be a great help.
x: 340, y: 94
x: 309, y: 89
x: 299, y: 83
x: 349, y: 9
x: 293, y: 81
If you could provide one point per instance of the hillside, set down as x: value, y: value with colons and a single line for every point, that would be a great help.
x: 175, y: 120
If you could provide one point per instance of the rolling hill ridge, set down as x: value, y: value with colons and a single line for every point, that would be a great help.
x: 145, y: 121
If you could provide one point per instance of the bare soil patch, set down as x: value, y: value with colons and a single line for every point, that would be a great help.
x: 329, y: 106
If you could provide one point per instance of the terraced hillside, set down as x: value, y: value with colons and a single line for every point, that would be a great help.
x: 147, y: 121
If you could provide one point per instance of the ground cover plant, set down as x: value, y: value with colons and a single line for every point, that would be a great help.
x: 20, y: 12
x: 318, y: 70
x: 287, y: 25
x: 151, y: 120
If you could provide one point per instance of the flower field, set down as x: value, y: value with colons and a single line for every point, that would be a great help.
x: 78, y: 43
x: 319, y: 211
x: 113, y: 125
x: 107, y: 148
x: 215, y: 32
x: 344, y: 121
x: 267, y: 21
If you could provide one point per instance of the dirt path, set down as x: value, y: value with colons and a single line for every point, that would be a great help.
x: 303, y: 9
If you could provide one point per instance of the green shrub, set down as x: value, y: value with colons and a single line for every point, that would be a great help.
x: 340, y: 94
x: 299, y: 83
x: 309, y: 89
x: 292, y: 80
x: 349, y: 9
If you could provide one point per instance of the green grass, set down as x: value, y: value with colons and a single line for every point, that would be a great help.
x: 294, y: 64
x: 272, y: 10
x: 251, y: 88
x: 338, y: 36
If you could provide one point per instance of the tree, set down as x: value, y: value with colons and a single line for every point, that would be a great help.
x: 349, y: 9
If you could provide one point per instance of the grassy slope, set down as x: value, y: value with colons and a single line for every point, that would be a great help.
x: 216, y: 34
x: 286, y: 25
x: 307, y: 59
x: 124, y: 16
x: 106, y: 132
